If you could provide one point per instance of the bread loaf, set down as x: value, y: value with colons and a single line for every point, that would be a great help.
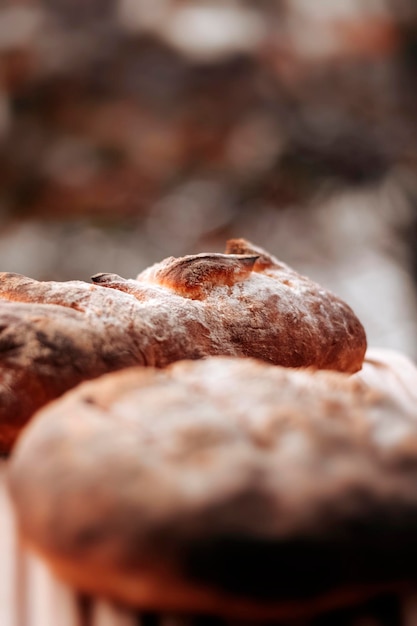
x: 223, y: 486
x: 243, y: 303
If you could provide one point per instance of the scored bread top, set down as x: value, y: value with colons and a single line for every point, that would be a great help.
x: 247, y: 303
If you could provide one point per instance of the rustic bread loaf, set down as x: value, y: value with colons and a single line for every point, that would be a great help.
x: 54, y: 335
x: 226, y: 486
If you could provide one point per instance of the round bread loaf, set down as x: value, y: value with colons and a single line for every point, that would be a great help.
x: 243, y: 303
x: 224, y: 486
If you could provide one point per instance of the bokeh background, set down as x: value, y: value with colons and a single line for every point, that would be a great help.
x: 131, y: 130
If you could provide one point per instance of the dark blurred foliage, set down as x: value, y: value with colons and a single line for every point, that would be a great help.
x: 133, y: 129
x: 105, y: 108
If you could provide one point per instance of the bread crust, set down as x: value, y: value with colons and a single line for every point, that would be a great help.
x: 225, y: 486
x: 54, y: 335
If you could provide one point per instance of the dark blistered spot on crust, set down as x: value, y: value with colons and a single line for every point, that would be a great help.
x: 57, y: 344
x: 9, y: 343
x: 102, y: 277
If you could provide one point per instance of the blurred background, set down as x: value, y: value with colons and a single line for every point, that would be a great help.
x: 131, y: 130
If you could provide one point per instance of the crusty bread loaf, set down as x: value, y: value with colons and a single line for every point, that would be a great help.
x: 225, y: 486
x: 245, y: 303
x: 54, y: 335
